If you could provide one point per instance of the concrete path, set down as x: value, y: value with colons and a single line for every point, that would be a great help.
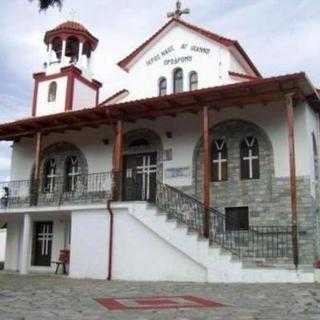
x: 37, y: 297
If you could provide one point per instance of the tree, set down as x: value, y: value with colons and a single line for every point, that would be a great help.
x: 45, y: 4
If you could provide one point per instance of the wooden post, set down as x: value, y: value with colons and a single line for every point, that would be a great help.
x: 37, y: 156
x: 118, y: 161
x: 293, y: 186
x: 206, y: 169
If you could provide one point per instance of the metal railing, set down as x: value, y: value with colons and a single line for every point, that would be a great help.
x: 256, y: 241
x: 84, y: 189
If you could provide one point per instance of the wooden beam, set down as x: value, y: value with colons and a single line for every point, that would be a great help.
x: 206, y: 169
x: 293, y: 186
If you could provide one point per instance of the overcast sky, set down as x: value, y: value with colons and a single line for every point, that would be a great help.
x: 280, y: 36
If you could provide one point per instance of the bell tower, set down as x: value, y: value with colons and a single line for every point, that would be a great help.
x: 66, y: 82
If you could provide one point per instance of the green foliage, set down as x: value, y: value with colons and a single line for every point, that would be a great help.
x: 45, y: 4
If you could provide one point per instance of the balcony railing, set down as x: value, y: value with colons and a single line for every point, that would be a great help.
x: 84, y: 189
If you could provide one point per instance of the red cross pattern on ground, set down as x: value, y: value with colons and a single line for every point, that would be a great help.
x: 161, y: 302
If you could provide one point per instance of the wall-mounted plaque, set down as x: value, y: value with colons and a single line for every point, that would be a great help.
x: 182, y: 172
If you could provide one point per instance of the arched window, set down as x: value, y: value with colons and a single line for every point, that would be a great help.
x: 72, y: 173
x: 49, y: 174
x: 193, y: 81
x: 162, y: 86
x: 315, y: 156
x: 72, y: 49
x: 52, y: 93
x: 219, y: 160
x: 57, y: 47
x: 249, y: 155
x: 178, y: 80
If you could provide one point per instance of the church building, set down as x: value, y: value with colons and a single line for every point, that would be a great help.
x: 201, y: 169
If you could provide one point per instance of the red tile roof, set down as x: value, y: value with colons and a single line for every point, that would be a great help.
x: 114, y: 96
x: 70, y: 27
x: 259, y: 91
x: 208, y: 34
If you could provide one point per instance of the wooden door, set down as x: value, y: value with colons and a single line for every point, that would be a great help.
x: 42, y: 243
x: 139, y: 181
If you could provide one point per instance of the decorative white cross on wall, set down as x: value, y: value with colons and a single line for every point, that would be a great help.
x: 51, y: 177
x: 219, y: 161
x: 74, y: 173
x: 250, y: 157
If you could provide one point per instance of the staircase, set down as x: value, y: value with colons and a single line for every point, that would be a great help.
x: 260, y: 254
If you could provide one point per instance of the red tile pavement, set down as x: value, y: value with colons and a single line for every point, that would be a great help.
x: 161, y: 302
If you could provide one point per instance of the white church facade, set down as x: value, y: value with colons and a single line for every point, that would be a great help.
x: 201, y: 169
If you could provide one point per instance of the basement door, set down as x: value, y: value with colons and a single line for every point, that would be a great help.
x: 42, y: 243
x: 139, y: 181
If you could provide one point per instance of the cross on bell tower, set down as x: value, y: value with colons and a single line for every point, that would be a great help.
x: 178, y: 12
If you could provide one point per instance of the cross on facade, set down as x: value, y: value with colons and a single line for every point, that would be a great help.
x: 250, y: 157
x: 219, y: 161
x: 74, y: 173
x: 178, y: 12
x: 45, y: 236
x: 146, y: 170
x: 51, y: 177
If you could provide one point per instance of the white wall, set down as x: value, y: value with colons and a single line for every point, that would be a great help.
x: 89, y: 244
x: 43, y: 106
x: 141, y: 255
x: 3, y: 239
x: 212, y: 67
x: 84, y: 96
x: 14, y: 228
x: 186, y: 132
x: 138, y: 253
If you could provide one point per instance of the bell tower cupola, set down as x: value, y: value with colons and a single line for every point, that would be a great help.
x: 66, y: 82
x: 70, y: 43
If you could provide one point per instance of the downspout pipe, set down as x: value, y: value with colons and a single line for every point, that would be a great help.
x: 110, y: 249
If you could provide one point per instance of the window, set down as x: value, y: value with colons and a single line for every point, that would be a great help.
x: 50, y: 175
x: 219, y: 160
x: 57, y: 47
x: 72, y: 173
x: 249, y: 155
x: 178, y: 80
x: 237, y: 219
x: 72, y: 49
x: 162, y: 86
x: 193, y: 81
x: 315, y: 156
x: 52, y: 93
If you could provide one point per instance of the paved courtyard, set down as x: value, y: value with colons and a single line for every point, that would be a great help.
x: 56, y: 297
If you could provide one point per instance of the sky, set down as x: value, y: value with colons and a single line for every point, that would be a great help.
x: 280, y: 36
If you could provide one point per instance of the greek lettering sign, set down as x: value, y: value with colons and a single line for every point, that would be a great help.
x: 185, y: 54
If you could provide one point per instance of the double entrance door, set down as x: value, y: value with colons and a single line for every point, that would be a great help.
x: 139, y: 179
x: 42, y: 243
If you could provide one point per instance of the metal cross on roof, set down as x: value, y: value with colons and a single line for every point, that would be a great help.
x: 178, y: 13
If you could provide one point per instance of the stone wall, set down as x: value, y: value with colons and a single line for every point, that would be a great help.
x: 268, y: 198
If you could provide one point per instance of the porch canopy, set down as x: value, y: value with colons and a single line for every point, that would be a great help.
x: 233, y: 95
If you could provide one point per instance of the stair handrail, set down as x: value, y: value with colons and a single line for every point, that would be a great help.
x: 253, y: 241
